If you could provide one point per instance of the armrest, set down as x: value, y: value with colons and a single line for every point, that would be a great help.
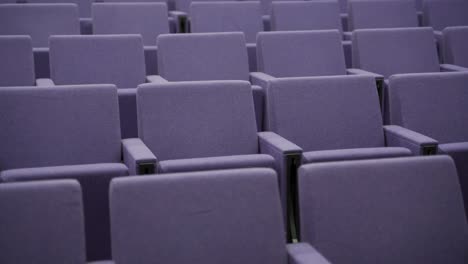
x: 452, y: 68
x: 287, y: 157
x: 419, y: 144
x: 138, y: 157
x: 304, y: 253
x: 180, y: 20
x: 45, y: 82
x: 347, y: 35
x: 260, y: 79
x: 155, y: 79
x: 379, y: 80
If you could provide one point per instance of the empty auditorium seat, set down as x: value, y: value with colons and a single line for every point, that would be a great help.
x: 39, y: 21
x: 396, y: 51
x: 441, y: 14
x: 42, y: 222
x: 114, y: 59
x: 403, y: 210
x: 436, y: 106
x: 67, y: 132
x: 83, y: 5
x: 232, y: 16
x: 455, y: 46
x: 207, y: 56
x: 231, y: 216
x: 381, y: 14
x: 309, y: 15
x: 17, y: 62
x: 147, y: 19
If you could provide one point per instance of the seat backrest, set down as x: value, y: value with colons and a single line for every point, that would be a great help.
x: 62, y: 125
x: 147, y: 19
x: 441, y: 14
x: 435, y: 105
x: 197, y: 119
x: 42, y: 222
x: 382, y: 14
x: 326, y: 113
x: 115, y: 59
x: 230, y: 16
x: 395, y: 50
x: 17, y: 62
x: 266, y: 5
x: 305, y: 15
x: 203, y: 56
x: 211, y: 217
x: 455, y: 43
x: 84, y: 6
x: 300, y: 53
x: 39, y: 21
x: 184, y: 5
x: 384, y: 211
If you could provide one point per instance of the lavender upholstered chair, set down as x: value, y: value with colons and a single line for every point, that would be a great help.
x: 230, y: 216
x: 434, y: 105
x: 207, y: 56
x: 208, y: 125
x: 381, y: 14
x: 455, y: 45
x: 17, y: 62
x: 396, y: 51
x: 68, y: 132
x: 230, y: 16
x: 299, y: 54
x: 147, y: 19
x: 403, y: 210
x: 39, y: 21
x: 309, y: 15
x: 266, y: 10
x: 84, y: 6
x: 441, y: 14
x: 114, y: 59
x: 42, y: 222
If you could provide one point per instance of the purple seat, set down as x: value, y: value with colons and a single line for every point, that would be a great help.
x: 441, y: 14
x: 67, y: 132
x: 16, y: 55
x: 114, y: 59
x: 55, y: 19
x: 207, y: 125
x: 42, y: 222
x: 83, y: 5
x: 455, y: 43
x: 309, y: 15
x: 435, y: 105
x: 147, y: 19
x: 381, y: 14
x: 207, y: 56
x: 402, y: 210
x: 230, y: 216
x: 231, y: 16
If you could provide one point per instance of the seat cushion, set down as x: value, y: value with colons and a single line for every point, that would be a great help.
x: 354, y: 154
x: 94, y: 180
x: 217, y: 163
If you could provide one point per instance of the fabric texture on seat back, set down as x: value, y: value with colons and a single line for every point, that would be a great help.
x: 300, y: 53
x: 384, y: 211
x: 441, y: 14
x: 147, y: 19
x: 395, y: 50
x: 305, y: 15
x: 62, y: 125
x: 203, y: 56
x: 435, y: 105
x: 197, y: 119
x: 227, y: 216
x: 230, y: 16
x: 455, y: 43
x: 84, y: 6
x: 325, y: 113
x: 39, y: 21
x: 382, y: 14
x: 110, y: 59
x: 17, y: 62
x: 42, y: 222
